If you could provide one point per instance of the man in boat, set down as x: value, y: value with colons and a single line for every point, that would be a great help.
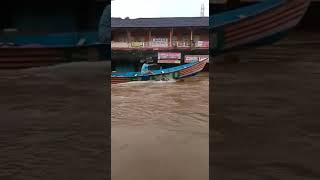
x: 145, y: 67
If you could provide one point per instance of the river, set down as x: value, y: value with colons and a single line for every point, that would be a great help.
x: 53, y: 122
x: 265, y: 112
x: 160, y: 130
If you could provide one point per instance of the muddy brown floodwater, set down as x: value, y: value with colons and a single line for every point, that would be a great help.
x: 53, y: 122
x: 160, y: 130
x: 265, y: 113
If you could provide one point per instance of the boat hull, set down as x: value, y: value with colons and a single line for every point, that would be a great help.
x: 268, y: 23
x: 36, y: 56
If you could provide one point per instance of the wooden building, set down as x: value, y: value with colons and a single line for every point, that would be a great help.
x: 156, y: 34
x: 136, y: 39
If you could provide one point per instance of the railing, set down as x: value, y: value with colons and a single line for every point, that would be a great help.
x: 175, y: 44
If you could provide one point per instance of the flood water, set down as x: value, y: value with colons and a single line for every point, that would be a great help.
x: 265, y: 112
x: 160, y: 130
x: 53, y: 122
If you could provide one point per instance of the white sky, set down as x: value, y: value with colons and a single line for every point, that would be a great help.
x: 158, y: 8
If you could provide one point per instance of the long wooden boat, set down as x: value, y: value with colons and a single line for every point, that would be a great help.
x: 257, y: 24
x: 35, y: 51
x: 177, y: 72
x: 18, y: 50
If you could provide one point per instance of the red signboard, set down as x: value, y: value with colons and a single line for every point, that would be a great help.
x: 169, y: 55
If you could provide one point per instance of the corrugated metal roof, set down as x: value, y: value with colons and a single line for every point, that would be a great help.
x: 160, y: 22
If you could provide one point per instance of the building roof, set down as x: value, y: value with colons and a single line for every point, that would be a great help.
x: 160, y: 22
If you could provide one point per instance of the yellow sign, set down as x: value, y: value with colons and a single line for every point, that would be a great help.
x: 136, y: 44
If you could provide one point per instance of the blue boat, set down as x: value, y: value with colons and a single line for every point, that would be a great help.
x: 26, y: 46
x: 172, y: 73
x: 257, y: 24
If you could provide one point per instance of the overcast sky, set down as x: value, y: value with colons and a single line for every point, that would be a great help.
x: 158, y: 8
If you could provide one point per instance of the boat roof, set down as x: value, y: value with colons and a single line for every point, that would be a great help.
x: 228, y: 17
x: 160, y: 22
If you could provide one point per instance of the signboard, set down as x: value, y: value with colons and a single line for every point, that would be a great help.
x: 136, y: 44
x: 195, y: 58
x: 191, y: 59
x: 202, y: 44
x: 159, y: 42
x: 159, y: 39
x: 169, y: 55
x: 169, y: 61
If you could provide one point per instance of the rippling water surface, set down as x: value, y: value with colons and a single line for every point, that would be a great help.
x: 53, y: 122
x: 160, y: 130
x: 266, y: 112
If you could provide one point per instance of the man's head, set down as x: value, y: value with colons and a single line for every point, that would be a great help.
x: 148, y: 60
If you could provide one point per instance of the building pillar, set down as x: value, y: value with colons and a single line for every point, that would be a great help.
x: 170, y: 38
x: 129, y: 38
x: 191, y: 37
x: 150, y: 35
